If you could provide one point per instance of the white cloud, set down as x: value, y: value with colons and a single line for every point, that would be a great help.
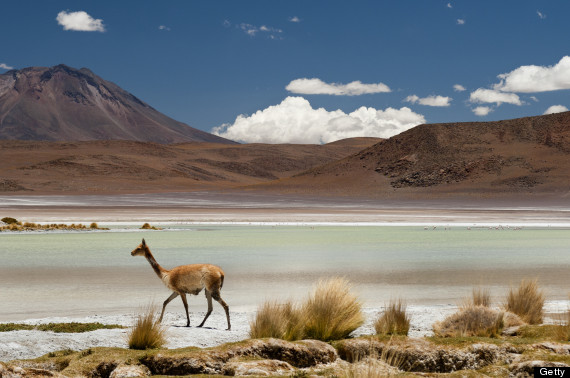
x: 294, y: 19
x: 79, y: 21
x: 541, y: 15
x: 533, y: 98
x: 4, y: 66
x: 556, y: 109
x: 458, y: 88
x: 449, y: 5
x: 317, y: 86
x: 163, y: 27
x: 429, y: 100
x: 252, y: 30
x: 295, y: 121
x: 483, y: 95
x: 529, y: 79
x: 460, y: 21
x: 482, y: 110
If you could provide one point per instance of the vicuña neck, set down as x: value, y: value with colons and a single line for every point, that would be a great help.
x: 155, y: 266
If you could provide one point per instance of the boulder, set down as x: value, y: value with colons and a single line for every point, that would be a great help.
x: 127, y: 371
x: 258, y: 368
x: 526, y: 368
x: 300, y: 354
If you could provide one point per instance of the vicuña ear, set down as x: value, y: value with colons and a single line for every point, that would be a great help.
x: 144, y: 243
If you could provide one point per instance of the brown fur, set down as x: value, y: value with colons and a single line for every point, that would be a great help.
x: 188, y: 279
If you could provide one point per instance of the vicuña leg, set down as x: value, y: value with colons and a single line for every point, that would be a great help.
x: 183, y: 296
x: 210, y: 307
x: 172, y: 296
x: 216, y: 296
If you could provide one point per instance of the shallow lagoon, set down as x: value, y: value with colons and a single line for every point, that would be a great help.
x: 83, y: 273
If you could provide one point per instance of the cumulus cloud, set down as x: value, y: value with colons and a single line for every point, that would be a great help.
x: 294, y: 120
x: 4, y: 66
x: 490, y: 96
x: 458, y: 88
x: 317, y: 86
x: 556, y: 109
x: 482, y: 110
x: 429, y: 100
x: 460, y: 21
x: 79, y: 21
x: 294, y: 19
x: 529, y: 79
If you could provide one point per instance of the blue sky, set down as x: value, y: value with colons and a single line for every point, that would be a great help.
x: 285, y: 65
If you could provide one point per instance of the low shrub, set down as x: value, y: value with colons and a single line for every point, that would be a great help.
x: 394, y: 320
x: 147, y: 333
x: 9, y: 220
x: 527, y: 302
x: 471, y: 321
x: 331, y: 311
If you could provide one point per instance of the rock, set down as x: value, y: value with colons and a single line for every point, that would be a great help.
x: 526, y: 369
x: 298, y: 354
x: 18, y: 372
x: 421, y: 356
x: 511, y: 331
x: 127, y: 371
x: 554, y: 347
x: 259, y: 367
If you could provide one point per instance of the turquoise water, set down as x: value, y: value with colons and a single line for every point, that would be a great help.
x: 67, y: 274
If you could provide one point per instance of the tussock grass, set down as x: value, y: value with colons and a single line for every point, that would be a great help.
x: 282, y: 321
x: 527, y: 302
x: 470, y: 321
x: 479, y: 297
x: 147, y: 333
x: 563, y: 330
x: 394, y: 320
x: 332, y: 312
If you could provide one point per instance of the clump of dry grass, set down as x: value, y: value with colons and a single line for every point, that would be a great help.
x: 527, y: 302
x: 479, y: 297
x: 471, y: 321
x: 282, y: 321
x: 147, y: 333
x: 563, y: 330
x: 394, y: 320
x: 332, y: 312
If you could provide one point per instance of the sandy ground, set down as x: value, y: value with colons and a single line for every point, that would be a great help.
x: 31, y: 344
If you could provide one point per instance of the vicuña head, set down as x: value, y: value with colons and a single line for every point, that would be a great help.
x: 188, y: 279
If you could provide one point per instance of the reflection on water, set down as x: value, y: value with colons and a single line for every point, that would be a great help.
x: 65, y: 274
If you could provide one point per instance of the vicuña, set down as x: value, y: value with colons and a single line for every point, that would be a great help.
x: 188, y: 279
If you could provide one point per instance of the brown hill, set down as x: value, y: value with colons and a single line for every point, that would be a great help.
x: 136, y: 167
x: 526, y: 156
x: 65, y: 104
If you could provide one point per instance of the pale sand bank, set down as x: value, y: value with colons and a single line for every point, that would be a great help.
x: 32, y: 344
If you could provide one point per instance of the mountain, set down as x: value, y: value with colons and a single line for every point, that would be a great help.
x: 65, y: 104
x: 119, y: 166
x: 519, y: 157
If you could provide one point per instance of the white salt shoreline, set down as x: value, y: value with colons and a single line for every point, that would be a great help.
x: 16, y: 345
